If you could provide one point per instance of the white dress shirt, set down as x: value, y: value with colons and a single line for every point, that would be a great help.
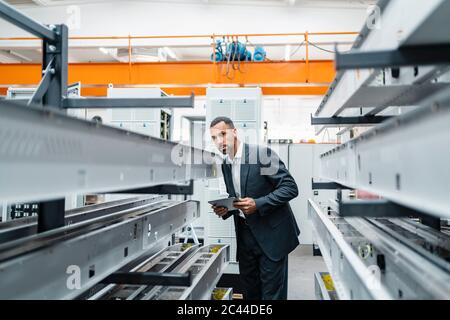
x: 236, y: 173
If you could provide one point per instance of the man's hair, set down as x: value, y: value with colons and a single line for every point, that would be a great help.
x: 227, y: 121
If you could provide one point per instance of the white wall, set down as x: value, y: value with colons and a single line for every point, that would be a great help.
x: 288, y: 117
x: 147, y: 18
x: 138, y: 17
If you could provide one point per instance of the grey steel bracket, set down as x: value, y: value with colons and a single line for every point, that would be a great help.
x: 404, y: 56
x: 383, y: 209
x: 374, y: 209
x: 43, y: 84
x: 98, y: 103
x: 150, y: 278
x: 327, y: 185
x: 57, y: 52
x: 348, y: 120
x: 51, y: 215
x: 163, y: 189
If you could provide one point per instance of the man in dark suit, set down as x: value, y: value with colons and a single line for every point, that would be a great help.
x: 266, y: 230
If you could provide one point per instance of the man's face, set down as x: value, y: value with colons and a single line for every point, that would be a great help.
x: 223, y: 137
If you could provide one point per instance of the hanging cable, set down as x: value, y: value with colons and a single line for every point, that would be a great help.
x: 323, y: 49
x: 296, y: 49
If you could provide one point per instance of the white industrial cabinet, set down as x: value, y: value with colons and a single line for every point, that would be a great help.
x: 155, y: 122
x: 302, y: 161
x: 243, y: 106
x: 303, y: 164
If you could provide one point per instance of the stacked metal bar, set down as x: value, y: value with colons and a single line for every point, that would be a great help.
x: 45, y: 155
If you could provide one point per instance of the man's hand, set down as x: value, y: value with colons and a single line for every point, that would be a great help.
x: 220, y: 211
x: 247, y: 205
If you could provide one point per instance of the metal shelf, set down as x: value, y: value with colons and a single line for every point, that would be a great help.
x: 161, y: 102
x: 76, y: 156
x: 163, y: 262
x: 95, y: 248
x: 381, y: 258
x: 206, y: 265
x: 347, y: 270
x: 361, y: 88
x: 23, y: 227
x: 404, y: 159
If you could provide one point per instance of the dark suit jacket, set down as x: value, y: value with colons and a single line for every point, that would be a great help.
x: 273, y: 224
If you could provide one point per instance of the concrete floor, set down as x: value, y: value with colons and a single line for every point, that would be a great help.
x: 302, y: 266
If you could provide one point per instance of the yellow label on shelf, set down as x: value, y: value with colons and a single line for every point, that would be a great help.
x: 328, y: 282
x: 215, y: 249
x: 186, y: 246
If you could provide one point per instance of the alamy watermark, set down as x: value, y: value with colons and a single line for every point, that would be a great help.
x: 73, y: 281
x: 73, y: 21
x: 373, y: 20
x: 257, y: 153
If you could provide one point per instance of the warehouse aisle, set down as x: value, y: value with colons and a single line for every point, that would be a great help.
x: 302, y: 266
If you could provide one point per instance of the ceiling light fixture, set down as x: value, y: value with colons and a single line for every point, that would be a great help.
x: 291, y: 2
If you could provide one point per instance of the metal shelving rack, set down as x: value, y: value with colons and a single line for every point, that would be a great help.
x: 393, y: 66
x: 42, y: 144
x: 396, y: 81
x: 46, y: 154
x: 389, y: 158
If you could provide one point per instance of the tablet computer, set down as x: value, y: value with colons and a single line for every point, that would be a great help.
x: 226, y: 202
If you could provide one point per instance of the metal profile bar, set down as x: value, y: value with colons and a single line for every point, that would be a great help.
x: 163, y: 102
x: 43, y: 84
x: 424, y: 272
x: 77, y: 156
x: 19, y: 228
x: 359, y: 42
x: 384, y: 209
x: 344, y: 88
x: 401, y: 57
x: 20, y: 20
x: 117, y: 241
x: 405, y: 159
x: 149, y: 278
x: 348, y: 120
x: 339, y: 256
x: 375, y: 209
x: 23, y: 246
x: 407, y: 270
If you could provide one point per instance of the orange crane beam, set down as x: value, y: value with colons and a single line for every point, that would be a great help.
x: 181, y: 78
